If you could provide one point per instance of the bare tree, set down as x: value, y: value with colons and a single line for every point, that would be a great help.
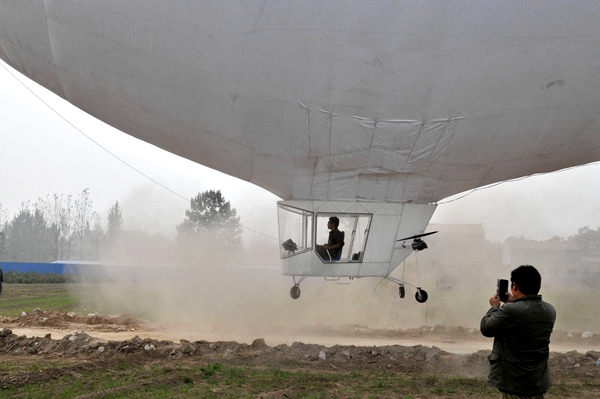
x: 59, y: 216
x: 3, y: 226
x: 82, y: 217
x: 115, y: 221
x: 51, y: 229
x: 114, y: 232
x: 96, y: 236
x: 2, y: 245
x: 39, y: 233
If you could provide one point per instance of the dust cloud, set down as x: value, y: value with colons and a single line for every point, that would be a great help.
x: 239, y: 293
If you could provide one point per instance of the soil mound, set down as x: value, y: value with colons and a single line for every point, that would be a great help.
x: 79, y: 351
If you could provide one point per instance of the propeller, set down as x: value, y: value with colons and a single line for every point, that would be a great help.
x: 417, y: 236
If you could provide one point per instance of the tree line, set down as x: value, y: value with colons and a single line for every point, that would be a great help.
x: 60, y: 227
x: 587, y: 239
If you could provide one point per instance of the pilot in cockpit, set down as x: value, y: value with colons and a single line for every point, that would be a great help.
x: 333, y: 248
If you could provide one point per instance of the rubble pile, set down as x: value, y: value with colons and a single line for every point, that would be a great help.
x: 79, y: 344
x: 413, y: 359
x: 421, y: 359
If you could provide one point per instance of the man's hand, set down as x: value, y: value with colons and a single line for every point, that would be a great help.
x: 511, y: 298
x: 494, y: 300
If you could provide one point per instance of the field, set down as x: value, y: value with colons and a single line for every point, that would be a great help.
x: 56, y: 353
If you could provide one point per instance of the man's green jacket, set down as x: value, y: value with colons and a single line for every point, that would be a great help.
x: 519, y: 358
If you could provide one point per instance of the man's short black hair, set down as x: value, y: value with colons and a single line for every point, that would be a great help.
x: 527, y: 278
x: 335, y: 220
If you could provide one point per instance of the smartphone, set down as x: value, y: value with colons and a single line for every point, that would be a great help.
x: 502, y: 290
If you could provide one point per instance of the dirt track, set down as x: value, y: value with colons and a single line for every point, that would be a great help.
x: 96, y: 339
x: 457, y: 340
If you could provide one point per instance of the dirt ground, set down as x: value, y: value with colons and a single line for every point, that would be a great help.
x: 92, y: 341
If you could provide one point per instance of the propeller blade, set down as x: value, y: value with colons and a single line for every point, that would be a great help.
x: 417, y: 236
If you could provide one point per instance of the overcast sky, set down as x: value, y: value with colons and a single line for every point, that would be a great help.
x: 48, y: 146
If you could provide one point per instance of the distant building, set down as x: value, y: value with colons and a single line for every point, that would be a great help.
x: 591, y: 271
x: 558, y: 261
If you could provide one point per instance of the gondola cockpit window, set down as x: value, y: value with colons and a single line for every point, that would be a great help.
x: 356, y: 231
x: 295, y: 230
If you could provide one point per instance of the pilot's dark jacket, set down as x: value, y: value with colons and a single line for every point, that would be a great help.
x: 519, y: 358
x: 335, y: 237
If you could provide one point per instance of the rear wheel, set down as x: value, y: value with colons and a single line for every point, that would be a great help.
x: 421, y: 295
x: 402, y: 291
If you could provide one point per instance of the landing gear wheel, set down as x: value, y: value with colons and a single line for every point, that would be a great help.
x: 402, y: 291
x: 421, y: 295
x: 295, y: 292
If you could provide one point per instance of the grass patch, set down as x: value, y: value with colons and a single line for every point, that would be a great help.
x: 74, y: 297
x: 17, y: 298
x: 209, y: 381
x: 225, y: 381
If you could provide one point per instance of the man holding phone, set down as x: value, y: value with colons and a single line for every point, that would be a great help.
x: 521, y: 329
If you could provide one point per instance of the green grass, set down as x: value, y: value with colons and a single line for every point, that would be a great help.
x: 224, y: 381
x: 17, y: 298
x: 25, y: 297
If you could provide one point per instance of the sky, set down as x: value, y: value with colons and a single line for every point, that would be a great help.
x: 48, y: 146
